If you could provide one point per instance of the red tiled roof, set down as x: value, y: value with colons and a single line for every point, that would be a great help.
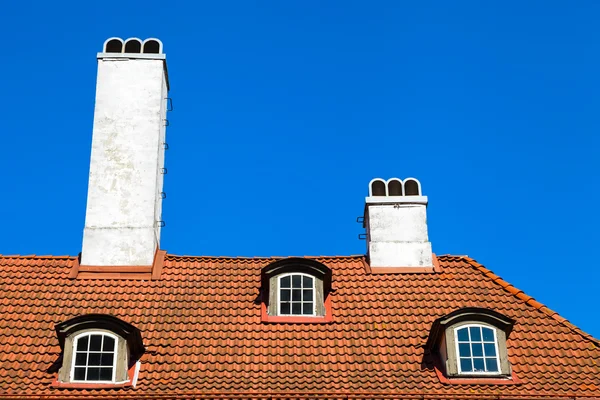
x: 201, y: 325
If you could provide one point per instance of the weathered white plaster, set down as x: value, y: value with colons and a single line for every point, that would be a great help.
x: 397, y: 231
x: 124, y: 202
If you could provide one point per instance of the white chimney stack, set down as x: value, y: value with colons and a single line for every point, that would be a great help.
x: 396, y: 223
x: 122, y: 222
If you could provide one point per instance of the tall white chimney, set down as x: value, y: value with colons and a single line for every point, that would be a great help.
x: 396, y: 223
x: 124, y: 204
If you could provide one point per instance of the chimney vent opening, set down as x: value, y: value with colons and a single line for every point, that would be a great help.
x: 152, y: 46
x: 113, y: 45
x: 412, y: 187
x: 133, y: 45
x: 395, y: 187
x: 377, y: 188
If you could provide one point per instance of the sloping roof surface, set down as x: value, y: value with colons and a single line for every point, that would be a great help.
x: 201, y: 325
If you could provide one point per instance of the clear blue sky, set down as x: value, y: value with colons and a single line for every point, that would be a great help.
x: 285, y: 110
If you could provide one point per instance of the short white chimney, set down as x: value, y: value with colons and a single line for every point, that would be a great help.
x: 396, y: 222
x: 122, y: 222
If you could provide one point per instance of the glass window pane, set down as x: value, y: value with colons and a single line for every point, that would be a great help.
x: 297, y: 308
x: 82, y: 343
x: 296, y: 294
x: 285, y: 295
x: 465, y: 365
x: 106, y: 374
x: 307, y: 308
x: 95, y: 342
x: 307, y: 295
x: 492, y: 364
x: 285, y: 282
x: 109, y: 344
x: 94, y: 359
x: 107, y: 359
x: 79, y: 374
x: 306, y: 282
x: 93, y: 374
x: 296, y: 281
x: 80, y: 358
x: 478, y: 364
x: 285, y: 308
x: 489, y: 350
x: 475, y: 333
x: 488, y: 334
x: 464, y: 350
x: 477, y: 349
x: 463, y: 335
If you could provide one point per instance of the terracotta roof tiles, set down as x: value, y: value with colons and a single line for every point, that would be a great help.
x: 201, y: 325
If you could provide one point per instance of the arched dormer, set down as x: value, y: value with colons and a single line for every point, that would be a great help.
x: 152, y: 46
x: 133, y: 45
x: 471, y: 343
x: 394, y: 187
x: 98, y: 349
x: 296, y: 290
x: 113, y: 45
x: 377, y: 187
x: 412, y: 187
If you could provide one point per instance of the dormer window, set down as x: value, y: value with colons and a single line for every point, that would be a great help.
x: 98, y: 351
x: 296, y: 294
x: 469, y: 346
x: 476, y: 349
x: 296, y: 290
x: 95, y: 357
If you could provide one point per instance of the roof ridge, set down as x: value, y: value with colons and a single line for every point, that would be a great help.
x: 529, y: 300
x: 37, y: 256
x: 207, y: 257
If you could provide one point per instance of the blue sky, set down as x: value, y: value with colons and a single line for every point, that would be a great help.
x: 285, y: 110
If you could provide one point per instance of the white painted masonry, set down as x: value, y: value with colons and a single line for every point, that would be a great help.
x: 124, y: 195
x: 397, y: 229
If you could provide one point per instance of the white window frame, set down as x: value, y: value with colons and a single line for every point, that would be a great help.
x: 456, y: 343
x: 74, y: 355
x: 314, y: 298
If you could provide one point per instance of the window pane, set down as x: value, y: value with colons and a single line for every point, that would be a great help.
x: 492, y: 364
x: 285, y: 308
x: 307, y: 308
x: 306, y: 282
x: 477, y: 349
x: 307, y: 295
x: 296, y: 281
x: 285, y: 282
x: 475, y: 333
x: 478, y: 364
x: 82, y: 343
x: 489, y: 349
x: 465, y: 365
x: 95, y: 342
x: 80, y: 359
x: 94, y: 359
x: 296, y: 294
x: 464, y: 350
x: 107, y: 359
x: 285, y: 295
x: 106, y: 374
x: 297, y: 308
x: 488, y: 335
x: 463, y: 335
x: 79, y: 374
x: 93, y: 374
x: 109, y: 344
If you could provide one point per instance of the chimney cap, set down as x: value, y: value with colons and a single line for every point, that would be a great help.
x: 394, y: 191
x: 132, y: 45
